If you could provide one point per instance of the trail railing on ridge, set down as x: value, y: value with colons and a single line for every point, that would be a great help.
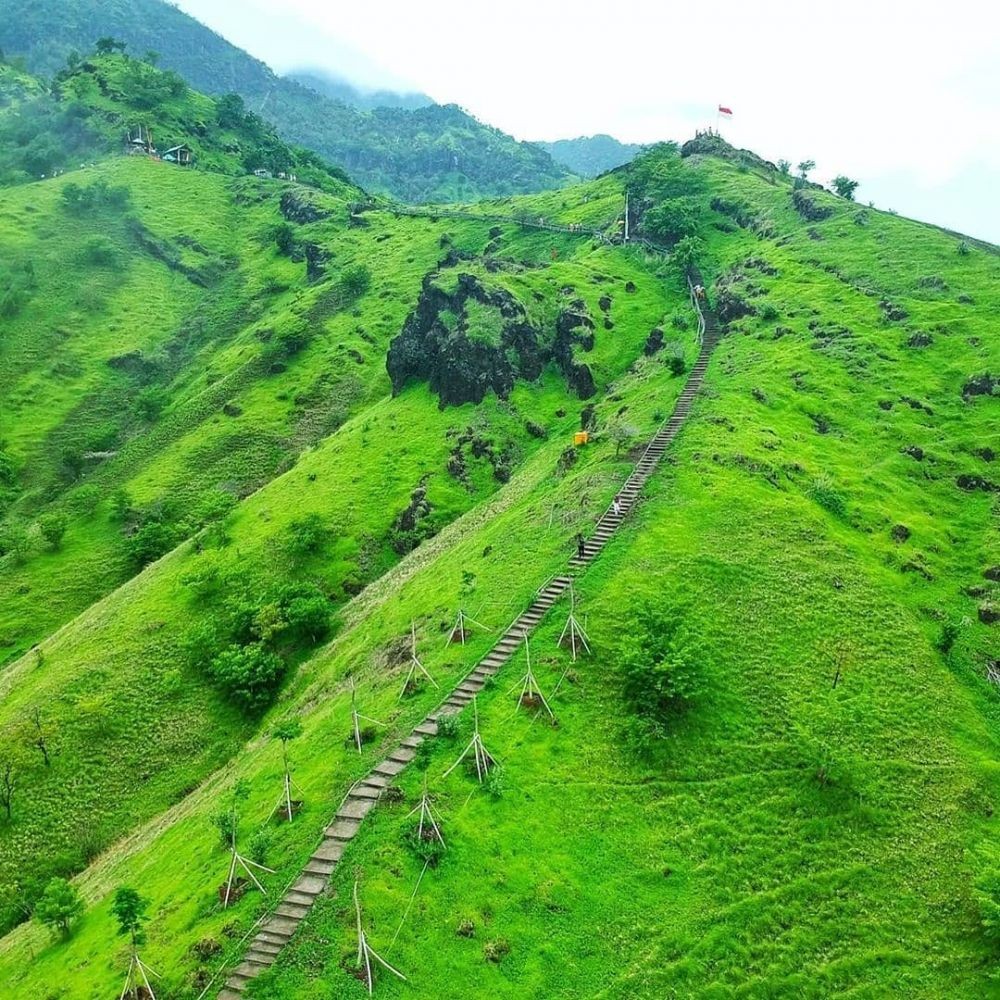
x: 275, y: 930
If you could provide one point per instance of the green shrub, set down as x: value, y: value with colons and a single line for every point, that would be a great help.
x: 657, y: 662
x: 52, y: 527
x: 100, y: 251
x: 823, y: 492
x: 250, y: 675
x: 306, y: 536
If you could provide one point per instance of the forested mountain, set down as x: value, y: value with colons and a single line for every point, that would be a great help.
x: 428, y: 154
x: 263, y: 441
x: 364, y: 99
x: 589, y: 156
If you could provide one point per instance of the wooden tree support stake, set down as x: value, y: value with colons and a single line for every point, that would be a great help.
x: 367, y: 955
x: 138, y: 970
x: 484, y: 761
x: 427, y: 821
x: 356, y: 718
x: 462, y: 623
x: 237, y: 862
x: 415, y: 664
x: 530, y: 691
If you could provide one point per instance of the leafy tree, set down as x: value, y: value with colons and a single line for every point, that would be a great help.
x: 15, y: 541
x: 107, y: 45
x: 249, y: 674
x: 671, y: 221
x: 307, y: 614
x: 306, y: 535
x: 230, y: 111
x: 9, y: 781
x: 804, y: 167
x: 284, y: 238
x: 622, y: 435
x: 687, y: 252
x: 845, y: 187
x: 129, y: 909
x: 228, y: 820
x: 59, y: 906
x: 52, y: 527
x: 658, y: 662
x: 354, y: 282
x: 784, y: 167
x: 36, y: 735
x: 152, y: 540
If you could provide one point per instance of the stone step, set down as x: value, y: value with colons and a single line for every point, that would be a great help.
x: 389, y: 767
x: 343, y: 829
x: 377, y: 781
x: 364, y: 791
x: 322, y: 868
x: 227, y: 994
x: 330, y: 851
x: 355, y: 808
x: 411, y: 741
x: 265, y: 947
x: 296, y: 904
x: 247, y: 970
x: 309, y: 885
x: 262, y: 958
x: 279, y: 926
x: 402, y: 755
x: 426, y: 729
x: 278, y: 940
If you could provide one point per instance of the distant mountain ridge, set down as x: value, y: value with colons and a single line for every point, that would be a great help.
x: 424, y: 154
x: 340, y: 89
x: 591, y: 155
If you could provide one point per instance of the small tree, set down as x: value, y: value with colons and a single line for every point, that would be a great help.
x: 784, y: 167
x: 8, y: 782
x: 845, y: 187
x: 52, y: 527
x: 284, y: 238
x: 37, y: 736
x: 354, y: 282
x: 622, y: 435
x: 106, y: 45
x: 306, y: 535
x: 804, y: 167
x: 59, y: 905
x: 129, y: 909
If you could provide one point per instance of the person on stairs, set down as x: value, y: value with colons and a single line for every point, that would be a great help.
x: 581, y: 546
x: 616, y: 506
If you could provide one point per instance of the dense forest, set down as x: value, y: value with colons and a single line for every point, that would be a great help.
x: 429, y: 153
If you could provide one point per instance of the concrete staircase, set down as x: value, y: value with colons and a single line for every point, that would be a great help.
x: 277, y: 929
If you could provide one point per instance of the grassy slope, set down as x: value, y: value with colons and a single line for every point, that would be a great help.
x: 132, y: 721
x: 777, y: 885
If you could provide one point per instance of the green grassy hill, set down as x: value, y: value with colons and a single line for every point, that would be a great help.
x: 776, y: 774
x: 436, y: 153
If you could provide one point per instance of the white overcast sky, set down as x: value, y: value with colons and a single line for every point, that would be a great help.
x: 903, y: 96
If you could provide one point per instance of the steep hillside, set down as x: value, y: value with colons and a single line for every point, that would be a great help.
x: 427, y: 154
x: 775, y: 774
x: 591, y: 155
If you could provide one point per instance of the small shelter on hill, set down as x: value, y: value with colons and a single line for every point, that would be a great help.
x: 181, y: 155
x: 139, y: 141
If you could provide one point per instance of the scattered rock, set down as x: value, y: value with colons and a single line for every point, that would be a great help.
x: 653, y: 342
x: 980, y: 385
x: 989, y: 612
x: 814, y: 234
x: 759, y: 395
x: 630, y: 286
x: 535, y: 430
x: 892, y: 312
x: 971, y: 483
x: 986, y: 454
x: 885, y: 404
x: 806, y: 205
x: 914, y: 451
x: 992, y: 573
x: 604, y: 302
x: 965, y: 300
x: 316, y: 260
x: 232, y: 409
x: 298, y: 205
x: 900, y: 533
x: 915, y: 404
x: 919, y: 339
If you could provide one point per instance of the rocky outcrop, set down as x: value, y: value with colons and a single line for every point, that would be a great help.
x: 441, y: 342
x: 298, y: 205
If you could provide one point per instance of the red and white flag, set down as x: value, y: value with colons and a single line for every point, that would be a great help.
x: 728, y: 112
